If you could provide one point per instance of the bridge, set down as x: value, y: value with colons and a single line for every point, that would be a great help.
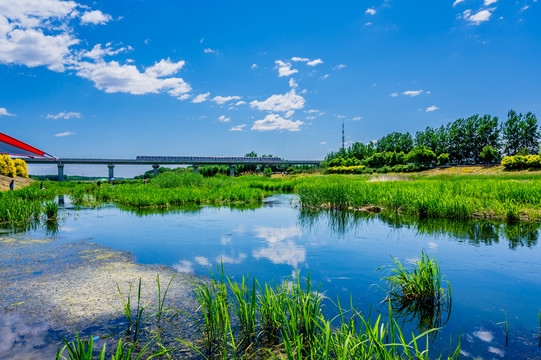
x: 157, y: 161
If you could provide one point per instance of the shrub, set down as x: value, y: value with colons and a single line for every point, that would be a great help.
x: 358, y: 169
x: 7, y: 166
x: 422, y: 155
x: 20, y: 168
x: 267, y: 172
x: 519, y: 162
x: 443, y: 159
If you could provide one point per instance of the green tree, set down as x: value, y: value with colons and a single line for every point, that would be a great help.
x: 396, y: 141
x: 422, y: 155
x: 489, y: 154
x: 520, y: 132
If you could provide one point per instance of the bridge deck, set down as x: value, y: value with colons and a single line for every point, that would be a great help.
x: 87, y: 161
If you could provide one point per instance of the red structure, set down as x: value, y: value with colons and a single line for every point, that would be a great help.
x: 12, y: 146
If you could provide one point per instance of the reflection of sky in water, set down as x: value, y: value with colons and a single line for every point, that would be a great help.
x: 487, y: 272
x: 25, y: 340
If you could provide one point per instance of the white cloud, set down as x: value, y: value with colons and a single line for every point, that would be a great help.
x: 370, y: 11
x: 490, y: 2
x: 65, y: 133
x: 95, y: 17
x: 254, y: 66
x: 411, y: 93
x: 200, y: 98
x: 395, y: 94
x: 307, y: 61
x: 325, y: 76
x: 368, y: 23
x: 222, y: 118
x: 339, y: 67
x: 164, y: 68
x: 285, y: 102
x: 223, y: 99
x: 524, y: 8
x: 98, y: 53
x: 432, y: 108
x: 209, y: 51
x: 314, y: 62
x: 201, y: 41
x: 275, y: 122
x: 293, y: 83
x: 284, y: 69
x: 323, y: 143
x: 479, y: 17
x: 238, y: 127
x: 184, y: 97
x: 113, y: 77
x: 64, y: 115
x: 31, y: 47
x: 4, y: 112
x: 240, y: 103
x: 357, y: 118
x: 457, y: 2
x: 289, y: 113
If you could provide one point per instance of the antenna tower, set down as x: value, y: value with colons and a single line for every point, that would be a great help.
x: 343, y: 141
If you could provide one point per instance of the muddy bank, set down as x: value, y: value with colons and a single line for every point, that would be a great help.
x: 50, y: 289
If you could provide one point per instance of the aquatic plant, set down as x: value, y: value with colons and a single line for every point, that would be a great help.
x: 134, y: 321
x: 51, y: 210
x: 287, y: 322
x: 418, y: 293
x: 79, y: 350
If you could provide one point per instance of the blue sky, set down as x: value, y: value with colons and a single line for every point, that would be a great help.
x: 127, y: 78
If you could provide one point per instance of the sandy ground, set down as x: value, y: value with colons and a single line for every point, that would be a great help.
x: 20, y: 182
x: 49, y: 288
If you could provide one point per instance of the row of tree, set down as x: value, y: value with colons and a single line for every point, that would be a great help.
x: 469, y: 140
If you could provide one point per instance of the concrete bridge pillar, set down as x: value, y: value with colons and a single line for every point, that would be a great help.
x: 196, y: 169
x: 156, y: 167
x: 111, y: 171
x: 231, y: 170
x: 60, y: 172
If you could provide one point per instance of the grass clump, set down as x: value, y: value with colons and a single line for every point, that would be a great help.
x: 418, y: 293
x: 240, y: 320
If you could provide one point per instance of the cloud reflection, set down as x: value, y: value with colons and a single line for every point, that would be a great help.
x: 184, y: 266
x: 281, y: 249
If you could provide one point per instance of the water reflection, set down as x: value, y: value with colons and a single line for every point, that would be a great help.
x: 21, y: 339
x: 474, y: 232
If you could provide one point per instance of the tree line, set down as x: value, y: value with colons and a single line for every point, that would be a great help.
x: 472, y: 140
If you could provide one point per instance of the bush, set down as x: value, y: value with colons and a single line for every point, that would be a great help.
x: 519, y: 162
x: 422, y: 155
x: 267, y: 172
x: 443, y: 159
x: 20, y: 168
x: 358, y: 169
x: 7, y: 166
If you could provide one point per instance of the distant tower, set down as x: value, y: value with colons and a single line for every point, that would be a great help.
x: 343, y: 141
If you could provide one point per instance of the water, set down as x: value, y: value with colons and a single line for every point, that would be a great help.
x: 494, y: 269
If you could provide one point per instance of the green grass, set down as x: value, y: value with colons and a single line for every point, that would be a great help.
x: 505, y: 198
x: 287, y: 321
x: 508, y: 197
x: 417, y: 294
